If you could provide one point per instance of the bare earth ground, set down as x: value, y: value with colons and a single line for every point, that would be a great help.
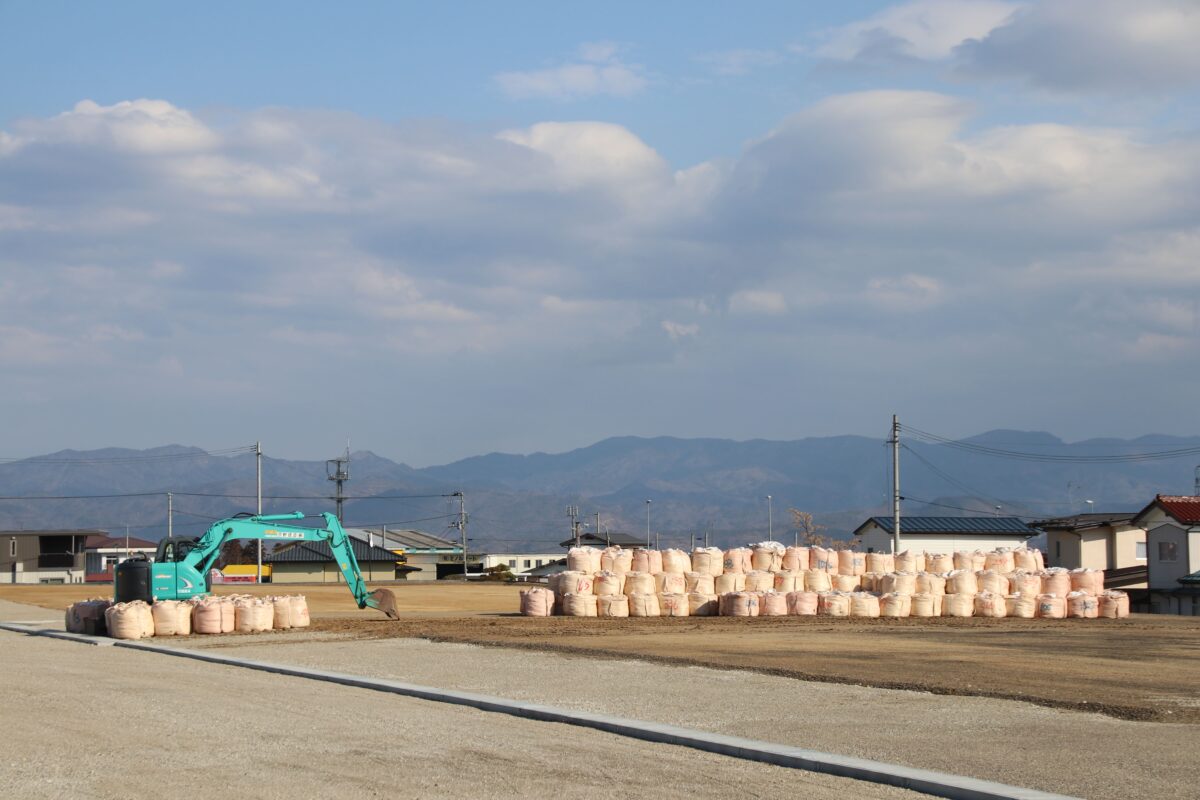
x: 1146, y: 667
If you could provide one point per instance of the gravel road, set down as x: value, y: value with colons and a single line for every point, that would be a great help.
x: 100, y: 722
x: 1087, y: 755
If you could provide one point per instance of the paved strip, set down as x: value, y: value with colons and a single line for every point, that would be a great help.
x: 938, y: 784
x: 23, y: 627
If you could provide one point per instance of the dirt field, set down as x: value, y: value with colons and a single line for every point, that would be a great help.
x: 1143, y: 668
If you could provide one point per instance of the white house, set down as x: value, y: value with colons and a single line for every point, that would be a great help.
x: 1172, y: 524
x: 1110, y: 542
x: 944, y: 534
x: 519, y: 563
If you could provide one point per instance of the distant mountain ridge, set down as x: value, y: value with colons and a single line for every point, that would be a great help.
x: 518, y: 501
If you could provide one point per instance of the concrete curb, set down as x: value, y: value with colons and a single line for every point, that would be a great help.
x: 80, y: 638
x: 938, y: 784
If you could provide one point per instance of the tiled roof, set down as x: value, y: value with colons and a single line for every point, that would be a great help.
x: 615, y: 539
x: 410, y: 539
x: 1184, y: 508
x: 320, y: 552
x: 1191, y: 580
x: 952, y: 525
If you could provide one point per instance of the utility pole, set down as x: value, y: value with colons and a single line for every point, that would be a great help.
x: 770, y: 522
x: 462, y: 528
x: 597, y: 524
x: 338, y: 471
x: 573, y: 514
x: 895, y: 443
x: 647, y: 524
x: 258, y: 482
x: 170, y: 517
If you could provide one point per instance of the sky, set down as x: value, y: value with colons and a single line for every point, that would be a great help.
x: 441, y: 230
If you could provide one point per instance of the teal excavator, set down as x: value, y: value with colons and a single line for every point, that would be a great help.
x: 181, y: 568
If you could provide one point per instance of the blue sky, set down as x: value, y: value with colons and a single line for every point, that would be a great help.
x: 446, y: 229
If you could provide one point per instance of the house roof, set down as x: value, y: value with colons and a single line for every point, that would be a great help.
x: 971, y: 526
x: 552, y: 568
x: 405, y: 538
x: 604, y: 540
x: 1078, y: 522
x: 320, y: 552
x: 1184, y: 509
x: 1191, y: 580
x: 100, y: 541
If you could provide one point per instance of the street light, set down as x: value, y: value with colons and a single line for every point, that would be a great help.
x: 1091, y: 504
x: 647, y: 524
x: 770, y: 522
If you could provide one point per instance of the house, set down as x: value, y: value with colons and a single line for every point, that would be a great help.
x: 313, y: 562
x: 432, y: 557
x: 51, y: 556
x: 1110, y: 542
x: 519, y: 564
x: 102, y: 552
x: 602, y: 540
x: 944, y: 534
x: 1172, y: 524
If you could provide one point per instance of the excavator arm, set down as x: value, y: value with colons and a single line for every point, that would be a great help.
x: 184, y: 577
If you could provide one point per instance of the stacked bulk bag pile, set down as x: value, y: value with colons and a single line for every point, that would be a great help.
x: 769, y: 579
x: 579, y: 605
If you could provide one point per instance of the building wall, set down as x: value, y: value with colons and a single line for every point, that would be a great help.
x: 1063, y: 550
x: 1125, y: 547
x: 23, y: 566
x: 1166, y: 574
x: 880, y: 541
x: 519, y: 563
x: 313, y: 572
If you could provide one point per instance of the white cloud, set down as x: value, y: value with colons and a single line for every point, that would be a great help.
x: 757, y: 301
x: 905, y: 293
x: 740, y: 62
x: 599, y: 71
x: 524, y: 253
x: 924, y: 29
x: 1072, y: 45
x: 679, y: 330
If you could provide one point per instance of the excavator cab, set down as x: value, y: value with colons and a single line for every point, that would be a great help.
x: 172, y: 550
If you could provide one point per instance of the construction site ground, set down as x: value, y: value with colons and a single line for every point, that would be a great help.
x: 941, y: 694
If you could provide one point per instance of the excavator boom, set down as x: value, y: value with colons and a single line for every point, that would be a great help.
x: 182, y: 568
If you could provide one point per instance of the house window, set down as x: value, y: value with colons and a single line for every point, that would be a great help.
x: 539, y: 561
x: 512, y: 563
x: 1141, y: 551
x: 12, y: 547
x: 1058, y: 550
x: 528, y: 563
x: 1166, y: 551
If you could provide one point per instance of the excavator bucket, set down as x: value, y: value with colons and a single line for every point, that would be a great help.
x: 385, y: 601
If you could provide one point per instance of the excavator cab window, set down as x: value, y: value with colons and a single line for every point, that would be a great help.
x: 172, y: 550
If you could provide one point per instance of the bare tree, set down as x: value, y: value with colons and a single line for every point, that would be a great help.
x: 809, y: 529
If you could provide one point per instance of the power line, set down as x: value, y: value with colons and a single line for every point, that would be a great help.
x: 218, y: 494
x: 978, y: 495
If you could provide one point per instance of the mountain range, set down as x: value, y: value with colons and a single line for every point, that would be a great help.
x: 694, y: 485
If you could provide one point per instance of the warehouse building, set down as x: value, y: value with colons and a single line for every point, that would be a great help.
x: 944, y: 534
x: 431, y: 557
x: 52, y: 556
x: 519, y: 564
